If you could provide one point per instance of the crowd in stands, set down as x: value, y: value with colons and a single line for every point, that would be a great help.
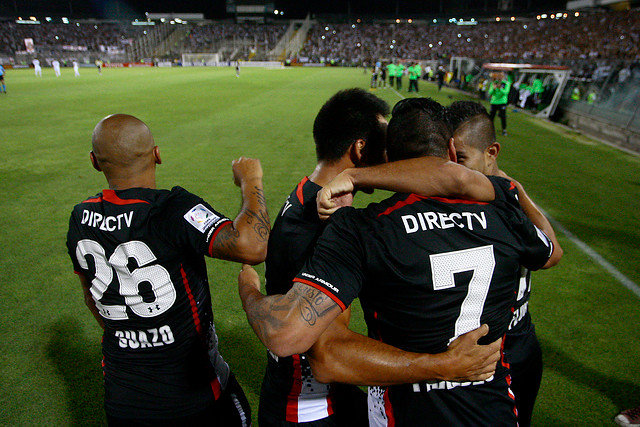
x: 611, y: 35
x: 211, y: 37
x: 587, y: 42
x: 50, y: 37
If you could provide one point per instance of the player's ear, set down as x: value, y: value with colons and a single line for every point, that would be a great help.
x: 493, y: 150
x: 94, y: 161
x: 357, y: 151
x: 452, y: 151
x: 156, y: 154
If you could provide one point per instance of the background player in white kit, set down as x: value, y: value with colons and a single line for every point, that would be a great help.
x: 56, y: 67
x: 37, y: 68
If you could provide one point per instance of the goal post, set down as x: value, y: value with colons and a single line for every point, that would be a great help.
x: 200, y: 59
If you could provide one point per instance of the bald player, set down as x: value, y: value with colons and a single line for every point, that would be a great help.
x: 139, y: 254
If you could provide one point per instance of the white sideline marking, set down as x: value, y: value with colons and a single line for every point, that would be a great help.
x: 624, y: 280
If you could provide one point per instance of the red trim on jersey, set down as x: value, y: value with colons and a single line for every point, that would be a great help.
x: 512, y: 186
x: 216, y: 388
x: 192, y: 301
x: 504, y: 363
x: 324, y: 290
x: 408, y: 201
x: 215, y: 233
x: 299, y: 189
x: 93, y: 200
x: 388, y: 409
x: 412, y: 198
x: 292, y: 398
x: 459, y: 201
x: 111, y: 197
x: 330, y: 403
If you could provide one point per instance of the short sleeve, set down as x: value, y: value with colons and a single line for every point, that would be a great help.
x: 72, y: 241
x: 190, y: 222
x: 335, y: 267
x: 534, y: 245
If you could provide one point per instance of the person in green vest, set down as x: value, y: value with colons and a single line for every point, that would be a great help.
x: 575, y: 94
x: 391, y: 72
x: 399, y: 72
x: 591, y: 97
x: 538, y: 90
x: 414, y: 72
x: 499, y: 93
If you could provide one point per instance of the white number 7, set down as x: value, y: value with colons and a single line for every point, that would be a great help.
x: 479, y: 260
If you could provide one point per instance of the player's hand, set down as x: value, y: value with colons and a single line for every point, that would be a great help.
x: 246, y: 169
x: 470, y: 361
x: 248, y: 279
x: 334, y: 195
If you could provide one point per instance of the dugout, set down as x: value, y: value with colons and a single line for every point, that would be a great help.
x: 554, y: 78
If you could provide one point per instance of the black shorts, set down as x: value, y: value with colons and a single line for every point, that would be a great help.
x: 230, y: 410
x: 2, y: 78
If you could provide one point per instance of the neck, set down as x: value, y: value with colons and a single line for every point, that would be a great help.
x: 326, y: 171
x: 123, y: 183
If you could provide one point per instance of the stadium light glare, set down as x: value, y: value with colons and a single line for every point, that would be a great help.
x: 323, y: 37
x: 622, y: 37
x: 145, y: 32
x: 77, y: 24
x: 431, y: 45
x: 576, y: 14
x: 48, y: 19
x: 525, y: 26
x: 32, y: 18
x: 282, y: 13
x: 564, y: 15
x: 468, y: 40
x: 440, y: 43
x: 334, y: 31
x: 275, y: 12
x: 65, y: 20
x: 57, y: 38
x: 473, y: 20
x: 172, y: 22
x: 397, y: 21
x: 486, y: 36
x: 390, y: 46
x: 513, y: 18
x: 409, y: 21
x: 538, y: 17
x: 552, y: 16
x: 435, y: 21
x: 543, y: 16
x: 326, y: 28
x: 353, y: 25
x: 459, y: 35
x: 163, y: 20
x: 359, y: 20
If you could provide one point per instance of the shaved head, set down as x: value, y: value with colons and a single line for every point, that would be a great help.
x: 123, y: 147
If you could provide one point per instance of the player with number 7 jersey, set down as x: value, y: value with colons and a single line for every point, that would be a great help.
x: 139, y: 252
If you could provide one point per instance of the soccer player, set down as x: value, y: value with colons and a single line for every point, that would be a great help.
x: 4, y: 88
x: 56, y: 67
x: 499, y: 93
x: 399, y: 72
x: 37, y: 67
x: 391, y: 72
x: 476, y: 148
x: 139, y: 253
x: 99, y: 66
x: 426, y: 270
x: 349, y: 131
x: 76, y: 70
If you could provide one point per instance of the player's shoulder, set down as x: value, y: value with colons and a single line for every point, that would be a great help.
x: 505, y: 190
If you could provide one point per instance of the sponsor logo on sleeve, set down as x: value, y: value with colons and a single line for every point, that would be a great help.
x: 201, y: 217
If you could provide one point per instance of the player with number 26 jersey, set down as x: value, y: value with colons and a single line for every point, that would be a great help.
x: 142, y: 251
x: 427, y: 270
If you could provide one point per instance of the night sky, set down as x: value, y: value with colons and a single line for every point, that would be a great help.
x: 215, y: 9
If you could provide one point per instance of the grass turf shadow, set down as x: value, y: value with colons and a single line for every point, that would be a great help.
x: 78, y: 360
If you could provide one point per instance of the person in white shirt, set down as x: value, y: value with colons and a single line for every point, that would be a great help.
x: 56, y: 67
x: 76, y: 72
x: 37, y: 67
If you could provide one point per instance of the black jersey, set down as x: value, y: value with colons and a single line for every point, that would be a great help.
x: 289, y: 390
x: 143, y: 251
x: 428, y: 270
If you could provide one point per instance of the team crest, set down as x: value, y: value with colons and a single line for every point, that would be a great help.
x: 201, y: 217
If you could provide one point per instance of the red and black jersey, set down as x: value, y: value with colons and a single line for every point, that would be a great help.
x: 427, y: 270
x: 142, y: 250
x: 289, y: 391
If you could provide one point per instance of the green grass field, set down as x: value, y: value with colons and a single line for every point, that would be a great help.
x: 203, y: 118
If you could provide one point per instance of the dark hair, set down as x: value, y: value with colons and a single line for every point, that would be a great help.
x: 470, y: 116
x: 347, y: 116
x: 417, y: 128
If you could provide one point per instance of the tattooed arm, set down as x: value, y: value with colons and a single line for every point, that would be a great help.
x: 246, y: 239
x: 286, y: 324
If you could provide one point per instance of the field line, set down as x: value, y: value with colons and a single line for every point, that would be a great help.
x: 624, y: 280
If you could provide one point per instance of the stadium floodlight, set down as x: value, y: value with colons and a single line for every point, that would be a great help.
x: 410, y: 21
x: 538, y: 17
x: 77, y: 24
x: 353, y: 25
x: 576, y: 14
x: 440, y: 43
x: 513, y: 18
x: 497, y: 19
x: 459, y: 35
x: 48, y: 19
x: 275, y: 12
x: 398, y: 21
x: 32, y: 18
x: 552, y: 16
x: 435, y: 21
x: 525, y: 26
x: 468, y: 40
x: 65, y: 20
x: 544, y: 16
x: 431, y: 45
x: 281, y: 12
